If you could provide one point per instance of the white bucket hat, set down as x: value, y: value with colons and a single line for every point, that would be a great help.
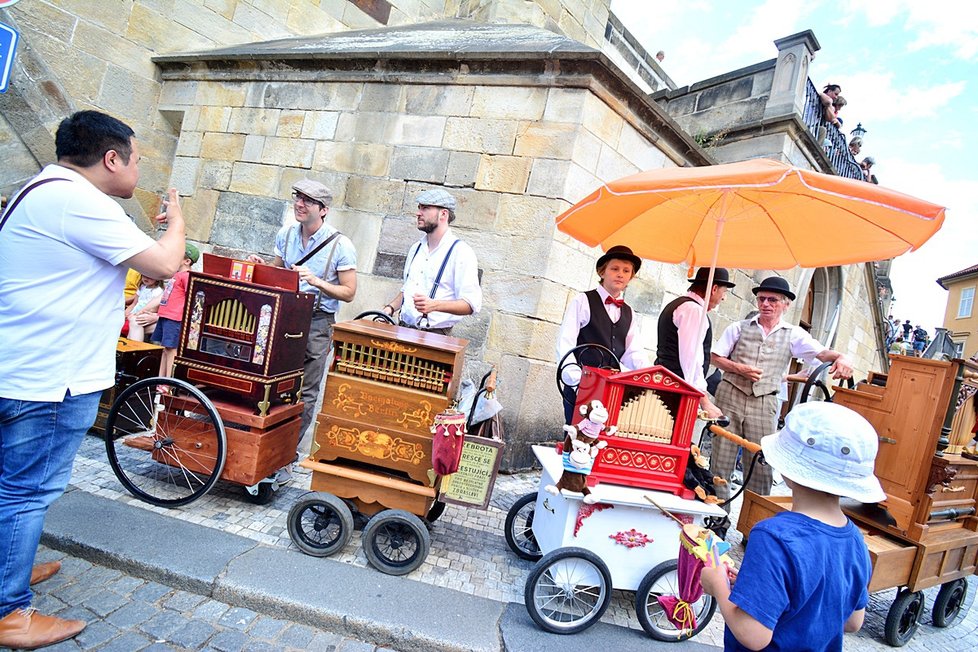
x: 829, y: 448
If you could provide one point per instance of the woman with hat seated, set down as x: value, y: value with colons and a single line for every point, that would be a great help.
x: 601, y: 316
x: 754, y: 355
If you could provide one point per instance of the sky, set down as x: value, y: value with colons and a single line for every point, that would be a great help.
x: 909, y: 71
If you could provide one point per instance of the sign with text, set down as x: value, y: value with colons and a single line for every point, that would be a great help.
x: 472, y: 484
x: 8, y: 45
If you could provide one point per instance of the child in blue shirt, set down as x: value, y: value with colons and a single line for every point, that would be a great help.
x: 805, y: 574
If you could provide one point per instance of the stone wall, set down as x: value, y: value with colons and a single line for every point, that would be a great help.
x: 515, y: 150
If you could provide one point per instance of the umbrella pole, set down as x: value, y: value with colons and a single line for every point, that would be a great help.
x: 719, y: 216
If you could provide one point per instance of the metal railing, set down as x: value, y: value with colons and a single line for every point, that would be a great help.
x: 827, y: 135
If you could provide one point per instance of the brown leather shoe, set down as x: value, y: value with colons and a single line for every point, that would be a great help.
x: 44, y: 571
x: 29, y: 630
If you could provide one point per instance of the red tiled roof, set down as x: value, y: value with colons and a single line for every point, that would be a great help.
x: 967, y: 271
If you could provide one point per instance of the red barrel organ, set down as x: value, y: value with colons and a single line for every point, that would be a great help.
x: 655, y: 412
x: 245, y: 331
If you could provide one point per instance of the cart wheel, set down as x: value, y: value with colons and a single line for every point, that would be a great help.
x: 661, y: 581
x: 519, y: 528
x: 568, y: 590
x: 396, y: 542
x: 165, y: 441
x: 949, y: 601
x: 437, y: 509
x: 903, y: 618
x: 320, y: 524
x: 264, y: 495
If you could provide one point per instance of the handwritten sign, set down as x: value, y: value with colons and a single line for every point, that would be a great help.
x: 472, y: 484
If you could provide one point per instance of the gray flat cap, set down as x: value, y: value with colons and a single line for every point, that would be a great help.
x: 314, y: 190
x: 437, y: 197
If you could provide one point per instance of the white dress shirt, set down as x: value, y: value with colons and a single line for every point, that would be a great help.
x: 460, y: 280
x: 578, y: 315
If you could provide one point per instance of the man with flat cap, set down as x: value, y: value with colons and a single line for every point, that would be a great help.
x: 328, y: 270
x: 754, y: 355
x: 441, y: 273
x: 601, y: 316
x: 686, y: 335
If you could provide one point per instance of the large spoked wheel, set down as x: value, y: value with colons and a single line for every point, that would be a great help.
x: 519, y: 528
x: 165, y: 442
x: 949, y: 601
x: 320, y: 524
x: 585, y: 355
x: 903, y: 618
x: 815, y: 389
x: 396, y: 542
x: 376, y: 315
x: 568, y: 590
x: 663, y: 580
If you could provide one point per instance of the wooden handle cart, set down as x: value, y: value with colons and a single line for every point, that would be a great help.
x: 925, y: 533
x: 243, y: 340
x: 372, y: 457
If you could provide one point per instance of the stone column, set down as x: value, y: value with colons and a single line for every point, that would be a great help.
x: 795, y: 52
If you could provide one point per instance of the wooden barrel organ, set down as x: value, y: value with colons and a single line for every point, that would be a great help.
x: 373, y: 436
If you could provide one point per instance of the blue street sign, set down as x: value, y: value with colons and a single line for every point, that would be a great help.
x: 8, y: 44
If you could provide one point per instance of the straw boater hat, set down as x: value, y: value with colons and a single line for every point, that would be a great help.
x: 827, y: 447
x: 620, y: 252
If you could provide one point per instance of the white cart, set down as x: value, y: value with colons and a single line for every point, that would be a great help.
x: 622, y: 541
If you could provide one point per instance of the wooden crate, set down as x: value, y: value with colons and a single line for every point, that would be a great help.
x: 257, y: 446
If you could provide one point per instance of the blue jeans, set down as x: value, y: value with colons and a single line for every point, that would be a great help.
x: 38, y: 443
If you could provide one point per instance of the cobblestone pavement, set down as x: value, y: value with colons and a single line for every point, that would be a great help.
x: 469, y: 553
x: 127, y: 614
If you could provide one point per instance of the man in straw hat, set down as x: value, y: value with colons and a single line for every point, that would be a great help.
x: 754, y: 355
x: 686, y: 336
x: 804, y: 578
x: 601, y: 316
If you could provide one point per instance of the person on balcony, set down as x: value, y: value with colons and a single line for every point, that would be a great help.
x: 867, y: 165
x: 827, y: 96
x: 855, y: 146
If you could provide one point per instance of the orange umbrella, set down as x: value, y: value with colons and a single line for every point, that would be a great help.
x: 759, y: 214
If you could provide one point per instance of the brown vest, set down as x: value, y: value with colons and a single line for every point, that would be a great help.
x: 772, y: 355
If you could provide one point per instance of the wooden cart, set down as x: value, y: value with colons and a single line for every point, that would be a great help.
x: 927, y: 532
x: 243, y: 340
x: 372, y: 453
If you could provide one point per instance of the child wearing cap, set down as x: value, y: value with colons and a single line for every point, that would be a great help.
x: 170, y: 313
x: 805, y: 575
x: 601, y: 316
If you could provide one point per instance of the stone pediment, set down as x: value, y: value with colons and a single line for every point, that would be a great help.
x: 448, y: 39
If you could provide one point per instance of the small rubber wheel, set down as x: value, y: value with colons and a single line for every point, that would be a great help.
x: 519, y: 528
x: 903, y: 618
x: 663, y: 580
x: 264, y: 495
x: 949, y: 601
x: 320, y: 524
x: 568, y: 590
x: 396, y: 542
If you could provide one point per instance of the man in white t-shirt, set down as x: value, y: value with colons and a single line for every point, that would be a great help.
x: 441, y: 273
x: 65, y: 246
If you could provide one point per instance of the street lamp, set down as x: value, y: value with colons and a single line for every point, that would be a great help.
x: 858, y: 132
